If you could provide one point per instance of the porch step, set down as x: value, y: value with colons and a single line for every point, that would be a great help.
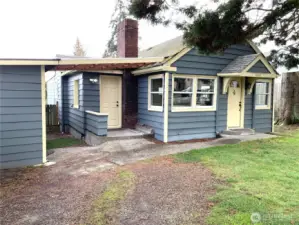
x: 124, y: 134
x: 145, y: 129
x: 239, y: 131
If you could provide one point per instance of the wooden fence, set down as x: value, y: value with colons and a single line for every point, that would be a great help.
x: 52, y: 115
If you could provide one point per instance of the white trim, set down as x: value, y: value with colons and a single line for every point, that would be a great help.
x: 177, y: 56
x: 96, y: 113
x: 43, y: 108
x: 85, y: 61
x: 76, y: 93
x: 273, y: 110
x: 153, y: 70
x: 149, y: 92
x: 166, y: 103
x: 268, y: 106
x: 193, y: 107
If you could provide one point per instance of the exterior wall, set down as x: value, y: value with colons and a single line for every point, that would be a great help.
x: 89, y: 99
x: 259, y: 119
x: 150, y: 118
x: 197, y: 125
x: 129, y: 100
x: 96, y: 124
x: 259, y: 67
x: 20, y: 116
x: 193, y: 63
x: 91, y: 95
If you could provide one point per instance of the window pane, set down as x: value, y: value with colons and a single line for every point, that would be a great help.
x: 183, y: 84
x: 182, y: 99
x: 204, y: 99
x: 156, y: 99
x: 262, y: 88
x: 261, y: 99
x: 205, y: 85
x: 157, y: 84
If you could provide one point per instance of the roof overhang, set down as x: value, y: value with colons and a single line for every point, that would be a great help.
x: 89, y: 64
x: 245, y: 73
x: 154, y: 70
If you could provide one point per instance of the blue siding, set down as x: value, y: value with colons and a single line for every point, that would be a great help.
x: 263, y: 119
x: 96, y: 124
x: 91, y: 95
x: 20, y: 116
x: 259, y: 67
x: 248, y: 123
x: 193, y: 63
x: 149, y: 118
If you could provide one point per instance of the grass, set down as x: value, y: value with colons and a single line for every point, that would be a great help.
x: 105, y: 207
x: 261, y: 176
x: 62, y: 143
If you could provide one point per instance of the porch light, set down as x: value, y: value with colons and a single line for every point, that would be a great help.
x: 93, y: 80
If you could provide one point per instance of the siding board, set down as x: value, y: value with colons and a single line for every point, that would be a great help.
x: 20, y: 116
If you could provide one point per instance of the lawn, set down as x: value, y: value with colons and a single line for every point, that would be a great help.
x: 63, y: 142
x: 260, y: 177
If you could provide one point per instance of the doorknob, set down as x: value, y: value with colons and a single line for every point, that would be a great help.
x: 240, y: 106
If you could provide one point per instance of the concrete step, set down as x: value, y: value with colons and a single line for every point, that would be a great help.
x: 238, y: 131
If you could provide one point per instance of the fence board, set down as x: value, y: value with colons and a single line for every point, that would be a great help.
x: 52, y: 115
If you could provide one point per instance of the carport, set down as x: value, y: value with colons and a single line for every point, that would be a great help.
x: 22, y: 102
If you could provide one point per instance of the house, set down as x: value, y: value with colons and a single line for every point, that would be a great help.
x: 185, y: 96
x: 178, y: 93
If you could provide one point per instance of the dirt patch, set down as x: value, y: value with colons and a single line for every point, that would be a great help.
x: 168, y: 193
x: 45, y: 196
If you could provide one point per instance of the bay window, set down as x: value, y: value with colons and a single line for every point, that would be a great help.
x: 263, y: 94
x: 155, y: 90
x: 193, y: 93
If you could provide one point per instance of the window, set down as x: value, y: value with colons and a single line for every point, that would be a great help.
x: 182, y: 92
x: 194, y: 93
x: 155, y: 98
x: 76, y: 94
x: 262, y: 94
x: 205, y: 92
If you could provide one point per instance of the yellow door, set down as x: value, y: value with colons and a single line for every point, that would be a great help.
x: 110, y: 99
x: 234, y: 103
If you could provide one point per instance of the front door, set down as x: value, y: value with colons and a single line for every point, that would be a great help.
x: 110, y: 99
x: 234, y: 103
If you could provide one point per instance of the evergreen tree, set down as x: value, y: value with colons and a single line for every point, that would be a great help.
x: 232, y: 22
x: 78, y: 49
x: 119, y: 14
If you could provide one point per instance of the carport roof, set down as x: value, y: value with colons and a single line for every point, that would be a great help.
x: 84, y: 63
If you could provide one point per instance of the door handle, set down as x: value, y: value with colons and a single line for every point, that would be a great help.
x: 240, y: 106
x: 116, y: 103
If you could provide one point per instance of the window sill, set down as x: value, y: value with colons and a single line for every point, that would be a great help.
x: 262, y: 107
x: 193, y: 109
x: 76, y: 106
x: 158, y: 109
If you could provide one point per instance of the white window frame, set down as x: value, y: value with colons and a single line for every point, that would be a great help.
x: 268, y: 106
x: 150, y: 106
x: 194, y: 107
x: 76, y: 94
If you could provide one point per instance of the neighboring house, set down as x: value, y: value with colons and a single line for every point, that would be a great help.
x: 179, y: 93
x: 52, y: 84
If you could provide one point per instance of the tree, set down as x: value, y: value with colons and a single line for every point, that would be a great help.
x: 288, y: 107
x: 78, y: 48
x: 232, y: 22
x: 119, y: 14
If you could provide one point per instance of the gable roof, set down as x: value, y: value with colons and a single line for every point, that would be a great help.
x: 165, y: 49
x: 239, y: 63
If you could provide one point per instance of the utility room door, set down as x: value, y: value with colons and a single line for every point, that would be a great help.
x: 110, y: 99
x: 234, y: 107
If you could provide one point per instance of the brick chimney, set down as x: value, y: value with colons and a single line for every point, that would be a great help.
x: 127, y: 39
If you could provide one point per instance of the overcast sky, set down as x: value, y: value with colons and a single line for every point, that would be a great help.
x: 44, y: 28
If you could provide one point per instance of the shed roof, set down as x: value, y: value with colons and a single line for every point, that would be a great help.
x: 239, y: 63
